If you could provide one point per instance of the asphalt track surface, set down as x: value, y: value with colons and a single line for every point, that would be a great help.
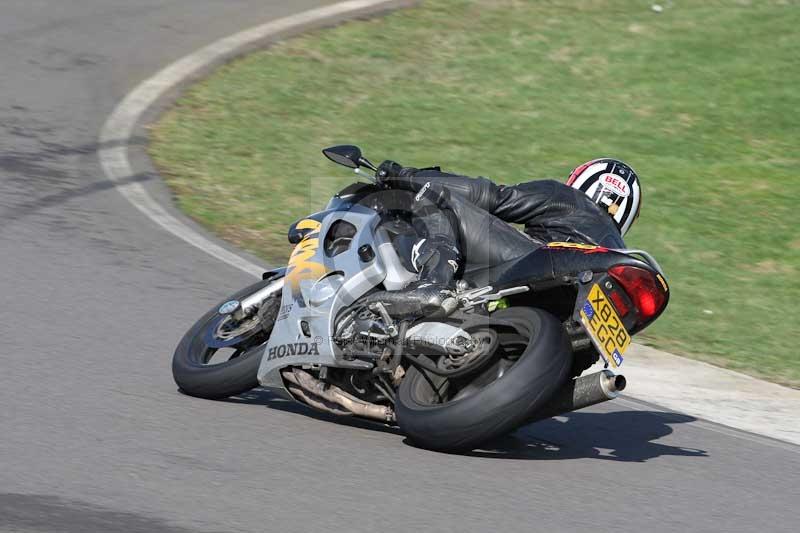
x: 94, y: 297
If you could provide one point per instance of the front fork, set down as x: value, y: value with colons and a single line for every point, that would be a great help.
x: 249, y: 304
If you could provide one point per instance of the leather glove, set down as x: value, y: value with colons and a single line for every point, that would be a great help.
x: 391, y: 174
x: 388, y: 169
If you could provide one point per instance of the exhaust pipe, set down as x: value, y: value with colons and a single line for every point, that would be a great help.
x: 582, y: 392
x: 321, y: 395
x: 575, y: 394
x: 317, y: 403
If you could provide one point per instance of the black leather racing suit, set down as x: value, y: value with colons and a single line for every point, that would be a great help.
x: 549, y: 210
x: 465, y: 223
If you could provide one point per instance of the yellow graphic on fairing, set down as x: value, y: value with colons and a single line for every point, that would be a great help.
x: 300, y: 265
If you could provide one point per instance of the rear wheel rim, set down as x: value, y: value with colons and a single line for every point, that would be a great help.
x: 431, y: 390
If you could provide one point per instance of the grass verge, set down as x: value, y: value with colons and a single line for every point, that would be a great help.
x: 700, y: 99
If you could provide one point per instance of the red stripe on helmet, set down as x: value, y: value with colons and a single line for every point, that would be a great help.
x: 579, y: 170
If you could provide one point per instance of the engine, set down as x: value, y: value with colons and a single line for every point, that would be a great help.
x: 364, y: 334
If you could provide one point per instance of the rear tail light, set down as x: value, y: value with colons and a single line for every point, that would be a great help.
x: 619, y: 304
x: 644, y: 289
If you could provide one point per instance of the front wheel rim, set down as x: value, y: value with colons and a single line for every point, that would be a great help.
x: 243, y: 340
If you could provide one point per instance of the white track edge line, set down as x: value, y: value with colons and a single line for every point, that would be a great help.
x: 632, y: 402
x: 117, y: 132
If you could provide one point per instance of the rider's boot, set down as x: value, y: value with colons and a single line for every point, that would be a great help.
x: 437, y: 261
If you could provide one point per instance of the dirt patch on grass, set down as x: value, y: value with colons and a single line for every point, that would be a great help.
x: 770, y: 266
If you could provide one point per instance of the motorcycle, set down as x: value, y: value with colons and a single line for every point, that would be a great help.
x: 509, y: 348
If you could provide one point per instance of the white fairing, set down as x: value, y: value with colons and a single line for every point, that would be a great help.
x: 319, y: 286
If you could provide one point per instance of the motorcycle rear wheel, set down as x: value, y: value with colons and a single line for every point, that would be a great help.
x: 455, y: 417
x: 196, y: 375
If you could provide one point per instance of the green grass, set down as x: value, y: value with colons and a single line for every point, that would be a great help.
x: 702, y: 100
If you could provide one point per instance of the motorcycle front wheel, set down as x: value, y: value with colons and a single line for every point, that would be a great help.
x: 195, y: 365
x: 532, y: 361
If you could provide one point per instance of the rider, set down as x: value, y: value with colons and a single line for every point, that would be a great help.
x: 471, y: 217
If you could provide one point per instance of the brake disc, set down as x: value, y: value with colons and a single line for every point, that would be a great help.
x: 228, y: 328
x: 225, y: 331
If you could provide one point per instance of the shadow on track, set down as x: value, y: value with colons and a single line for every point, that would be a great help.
x: 612, y: 436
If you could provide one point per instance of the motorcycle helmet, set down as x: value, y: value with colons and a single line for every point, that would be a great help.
x: 613, y: 186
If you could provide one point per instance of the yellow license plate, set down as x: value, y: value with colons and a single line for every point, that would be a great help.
x: 605, y: 327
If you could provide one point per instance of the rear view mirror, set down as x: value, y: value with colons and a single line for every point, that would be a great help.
x: 345, y: 154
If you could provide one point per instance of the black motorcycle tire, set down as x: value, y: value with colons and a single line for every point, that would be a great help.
x: 196, y: 378
x: 499, y: 407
